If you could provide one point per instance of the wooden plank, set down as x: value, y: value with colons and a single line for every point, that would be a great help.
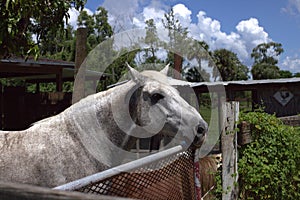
x: 29, y: 68
x: 229, y: 150
x: 13, y: 191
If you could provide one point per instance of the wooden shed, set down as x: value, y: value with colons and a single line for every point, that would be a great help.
x: 279, y: 96
x: 18, y: 108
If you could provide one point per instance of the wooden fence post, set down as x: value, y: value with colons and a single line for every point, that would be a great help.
x: 229, y: 150
x: 81, y: 53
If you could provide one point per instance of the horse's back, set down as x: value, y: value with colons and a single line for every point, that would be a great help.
x: 42, y: 156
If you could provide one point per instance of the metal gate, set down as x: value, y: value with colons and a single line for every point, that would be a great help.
x: 167, y: 175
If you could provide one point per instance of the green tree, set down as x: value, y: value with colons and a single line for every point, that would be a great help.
x: 59, y: 45
x: 199, y: 51
x: 87, y: 21
x: 152, y: 41
x: 102, y: 27
x: 265, y: 57
x: 285, y: 74
x: 177, y: 35
x: 265, y: 71
x: 21, y: 19
x: 267, y: 53
x: 63, y: 43
x: 296, y: 74
x: 194, y: 74
x: 118, y: 67
x: 229, y: 66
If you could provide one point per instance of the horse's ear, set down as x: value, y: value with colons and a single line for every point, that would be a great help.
x: 135, y: 75
x: 165, y: 70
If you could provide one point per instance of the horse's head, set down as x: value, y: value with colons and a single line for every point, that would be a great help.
x: 157, y: 107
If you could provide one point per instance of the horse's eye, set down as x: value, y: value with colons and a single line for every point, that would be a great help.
x: 155, y: 98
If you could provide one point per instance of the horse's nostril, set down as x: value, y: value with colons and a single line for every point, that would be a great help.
x: 200, y: 129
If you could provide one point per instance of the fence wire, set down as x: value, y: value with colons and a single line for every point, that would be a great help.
x: 171, y: 178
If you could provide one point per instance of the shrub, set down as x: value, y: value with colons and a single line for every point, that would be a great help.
x: 269, y: 167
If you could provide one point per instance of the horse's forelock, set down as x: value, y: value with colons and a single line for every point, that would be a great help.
x: 155, y: 75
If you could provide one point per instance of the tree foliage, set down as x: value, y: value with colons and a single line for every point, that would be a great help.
x: 296, y: 74
x: 265, y: 57
x: 21, y: 19
x: 63, y: 42
x: 194, y: 74
x: 229, y: 66
x: 199, y: 52
x: 265, y: 71
x: 285, y: 74
x: 269, y: 167
x: 177, y: 32
x: 151, y: 39
x: 267, y: 53
x: 177, y: 35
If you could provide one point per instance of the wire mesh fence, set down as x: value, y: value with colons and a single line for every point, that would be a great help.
x: 167, y: 178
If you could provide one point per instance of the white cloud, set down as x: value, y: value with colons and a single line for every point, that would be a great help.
x: 209, y: 30
x: 153, y: 13
x: 121, y: 13
x: 149, y: 13
x: 127, y: 14
x: 291, y: 64
x: 121, y: 8
x: 248, y: 33
x: 183, y: 14
x: 251, y: 32
x: 292, y: 8
x: 74, y: 16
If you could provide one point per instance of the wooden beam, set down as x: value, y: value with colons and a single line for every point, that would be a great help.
x: 13, y: 191
x: 28, y: 68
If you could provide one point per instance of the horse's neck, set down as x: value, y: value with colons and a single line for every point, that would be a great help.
x: 97, y: 110
x: 92, y: 121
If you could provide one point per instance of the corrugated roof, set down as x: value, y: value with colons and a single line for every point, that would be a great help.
x: 176, y: 82
x: 248, y: 82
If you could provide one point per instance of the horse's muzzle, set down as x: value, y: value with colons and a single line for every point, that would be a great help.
x: 201, y: 129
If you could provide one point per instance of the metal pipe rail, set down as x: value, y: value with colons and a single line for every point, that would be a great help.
x: 127, y: 167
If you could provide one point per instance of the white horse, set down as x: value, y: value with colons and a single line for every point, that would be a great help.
x: 97, y: 132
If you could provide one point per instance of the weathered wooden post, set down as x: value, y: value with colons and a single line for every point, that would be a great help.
x: 177, y: 65
x: 81, y: 53
x: 229, y: 150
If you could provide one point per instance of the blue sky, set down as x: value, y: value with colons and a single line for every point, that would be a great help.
x: 233, y: 24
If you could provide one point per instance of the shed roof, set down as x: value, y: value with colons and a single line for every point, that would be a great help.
x: 247, y: 82
x: 40, y: 70
x: 243, y: 85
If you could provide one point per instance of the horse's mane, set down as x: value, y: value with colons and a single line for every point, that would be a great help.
x: 89, y: 100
